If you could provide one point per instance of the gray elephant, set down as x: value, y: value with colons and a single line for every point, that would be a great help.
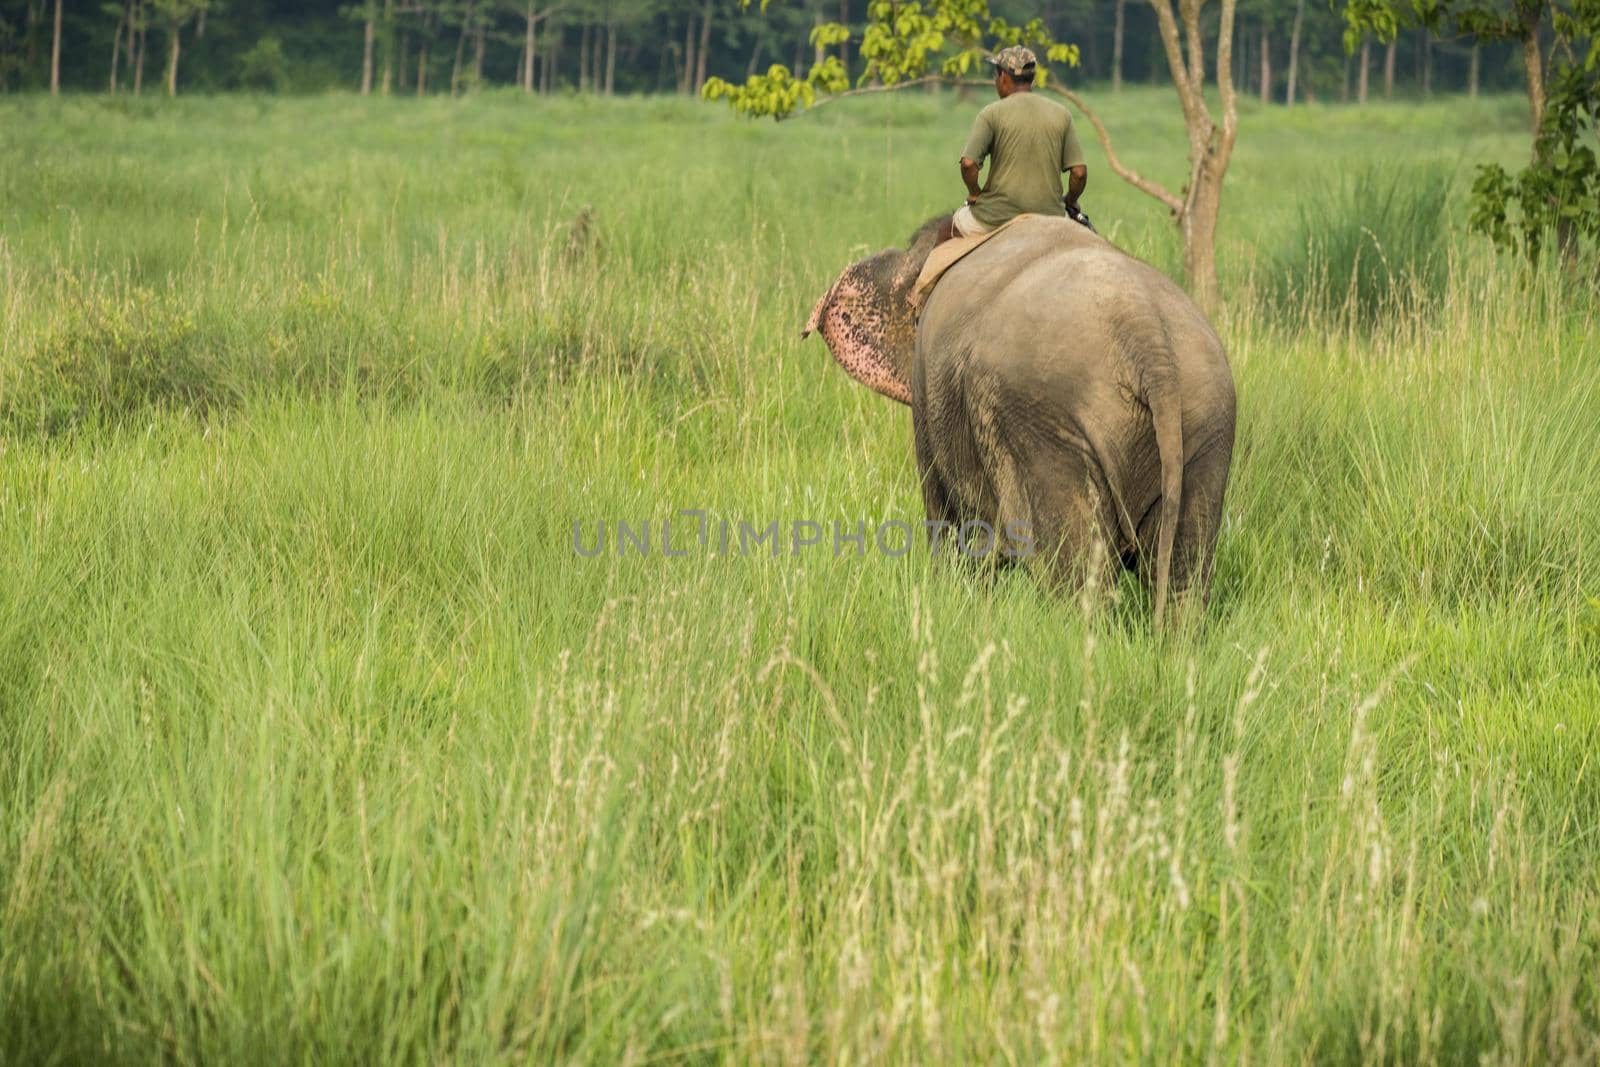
x: 1061, y: 391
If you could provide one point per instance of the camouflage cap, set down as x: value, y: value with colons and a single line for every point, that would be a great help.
x: 1015, y: 60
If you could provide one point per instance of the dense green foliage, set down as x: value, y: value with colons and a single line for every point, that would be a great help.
x: 321, y: 742
x: 944, y: 40
x: 1559, y: 191
x: 656, y: 44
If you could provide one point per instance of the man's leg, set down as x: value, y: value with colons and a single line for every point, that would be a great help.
x: 965, y: 225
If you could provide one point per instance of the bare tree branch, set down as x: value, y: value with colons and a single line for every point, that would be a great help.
x: 867, y: 90
x: 1170, y: 42
x: 1190, y: 11
x: 1230, y: 104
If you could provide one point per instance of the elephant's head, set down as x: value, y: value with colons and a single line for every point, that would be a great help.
x: 867, y: 318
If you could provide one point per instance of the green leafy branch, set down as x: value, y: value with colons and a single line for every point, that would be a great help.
x: 904, y: 42
x: 1560, y: 190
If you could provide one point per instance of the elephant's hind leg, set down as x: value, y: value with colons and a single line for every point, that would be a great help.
x: 1013, y: 519
x: 1073, y: 521
x: 938, y: 503
x: 1205, y: 479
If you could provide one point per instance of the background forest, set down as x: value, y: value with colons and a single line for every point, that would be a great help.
x: 1287, y: 50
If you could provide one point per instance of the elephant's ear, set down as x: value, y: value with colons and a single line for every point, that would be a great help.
x: 869, y: 329
x: 816, y: 313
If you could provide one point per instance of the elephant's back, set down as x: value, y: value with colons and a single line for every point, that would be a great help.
x: 1051, y: 294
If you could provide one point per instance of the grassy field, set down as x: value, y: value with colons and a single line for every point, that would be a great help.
x: 320, y: 743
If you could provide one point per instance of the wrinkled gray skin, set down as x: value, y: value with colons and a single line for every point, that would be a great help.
x: 1059, y: 387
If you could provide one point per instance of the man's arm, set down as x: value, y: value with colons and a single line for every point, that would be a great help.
x: 969, y: 174
x: 1072, y: 163
x: 1077, y: 181
x: 979, y: 142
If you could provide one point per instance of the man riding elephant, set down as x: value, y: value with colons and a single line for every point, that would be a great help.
x: 1029, y: 142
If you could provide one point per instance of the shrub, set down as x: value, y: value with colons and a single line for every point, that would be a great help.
x: 1370, y: 243
x: 264, y: 66
x: 110, y: 359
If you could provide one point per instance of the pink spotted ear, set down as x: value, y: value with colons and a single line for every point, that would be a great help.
x: 855, y: 320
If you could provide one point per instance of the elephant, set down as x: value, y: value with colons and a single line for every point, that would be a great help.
x: 1061, y: 391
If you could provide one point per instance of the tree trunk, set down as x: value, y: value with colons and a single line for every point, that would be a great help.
x: 55, y: 54
x: 1294, y: 52
x: 422, y: 61
x: 1266, y: 66
x: 1210, y: 143
x: 1388, y: 69
x: 402, y: 63
x: 1361, y: 76
x: 1473, y: 69
x: 529, y: 43
x: 705, y: 47
x: 1117, y: 28
x: 461, y: 51
x: 388, y: 46
x: 1533, y: 65
x: 478, y: 44
x: 116, y: 50
x: 755, y: 57
x: 138, y: 60
x: 1199, y: 227
x: 136, y: 45
x: 583, y: 58
x: 552, y: 59
x: 611, y: 57
x: 594, y: 60
x: 368, y: 39
x: 173, y: 39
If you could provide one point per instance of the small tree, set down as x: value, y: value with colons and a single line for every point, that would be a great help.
x: 913, y: 43
x: 175, y: 15
x: 264, y: 67
x: 1560, y: 190
x: 368, y: 13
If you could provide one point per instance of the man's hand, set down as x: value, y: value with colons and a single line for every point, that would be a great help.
x: 971, y: 199
x: 1078, y: 179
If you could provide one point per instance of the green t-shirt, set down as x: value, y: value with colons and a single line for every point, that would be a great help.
x: 1032, y: 142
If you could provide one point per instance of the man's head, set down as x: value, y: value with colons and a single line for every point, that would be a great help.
x: 1014, y: 68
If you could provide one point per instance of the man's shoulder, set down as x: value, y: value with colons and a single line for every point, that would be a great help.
x: 990, y: 110
x: 1027, y: 106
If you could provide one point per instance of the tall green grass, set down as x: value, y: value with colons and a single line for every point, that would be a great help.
x: 322, y: 744
x: 1370, y: 243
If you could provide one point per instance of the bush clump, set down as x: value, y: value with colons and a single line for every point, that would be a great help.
x: 109, y: 359
x: 265, y: 67
x: 1365, y: 246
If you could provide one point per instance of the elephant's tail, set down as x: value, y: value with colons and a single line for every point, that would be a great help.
x: 1167, y: 413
